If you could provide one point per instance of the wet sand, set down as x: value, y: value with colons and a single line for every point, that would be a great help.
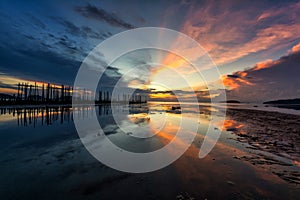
x: 272, y: 132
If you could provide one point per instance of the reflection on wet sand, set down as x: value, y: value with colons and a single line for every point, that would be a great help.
x: 141, y: 118
x: 232, y: 170
x: 48, y: 115
x: 231, y: 125
x: 39, y: 115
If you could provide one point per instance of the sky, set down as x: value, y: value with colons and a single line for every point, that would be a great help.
x: 255, y: 44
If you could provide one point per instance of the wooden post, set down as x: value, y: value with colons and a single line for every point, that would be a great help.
x: 18, y: 97
x: 43, y: 93
x: 62, y: 93
x: 25, y: 91
x: 35, y: 92
x: 100, y: 96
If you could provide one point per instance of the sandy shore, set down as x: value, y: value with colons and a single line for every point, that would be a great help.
x: 272, y: 132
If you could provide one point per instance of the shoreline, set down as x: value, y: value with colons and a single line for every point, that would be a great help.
x: 275, y: 132
x: 274, y: 139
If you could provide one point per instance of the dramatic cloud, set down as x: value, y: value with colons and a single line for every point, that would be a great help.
x: 97, y: 13
x: 296, y: 48
x: 230, y: 30
x: 202, y: 95
x: 44, y: 47
x: 269, y: 80
x: 83, y: 31
x: 47, y: 41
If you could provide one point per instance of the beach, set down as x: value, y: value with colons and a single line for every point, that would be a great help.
x: 272, y: 132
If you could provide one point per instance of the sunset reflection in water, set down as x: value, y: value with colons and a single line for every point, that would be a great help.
x: 145, y: 128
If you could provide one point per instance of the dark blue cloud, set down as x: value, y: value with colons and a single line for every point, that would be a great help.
x: 38, y: 65
x: 81, y: 31
x: 98, y: 13
x: 44, y: 46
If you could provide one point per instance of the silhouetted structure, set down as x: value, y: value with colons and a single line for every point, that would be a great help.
x: 29, y: 94
x: 106, y: 97
x: 48, y: 94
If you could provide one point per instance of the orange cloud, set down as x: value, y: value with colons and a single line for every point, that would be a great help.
x: 166, y: 96
x: 296, y: 48
x: 242, y: 73
x: 236, y: 80
x: 8, y: 91
x: 269, y: 38
x: 269, y: 85
x: 226, y: 38
x: 262, y: 65
x: 173, y: 61
x: 229, y: 82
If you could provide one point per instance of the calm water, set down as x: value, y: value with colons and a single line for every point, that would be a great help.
x: 42, y: 157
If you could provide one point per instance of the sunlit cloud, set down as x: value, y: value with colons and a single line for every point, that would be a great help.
x: 236, y: 80
x: 8, y: 91
x: 240, y: 78
x: 264, y: 64
x: 275, y: 12
x: 233, y: 34
x: 267, y: 80
x: 162, y: 96
x: 296, y: 48
x: 10, y: 80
